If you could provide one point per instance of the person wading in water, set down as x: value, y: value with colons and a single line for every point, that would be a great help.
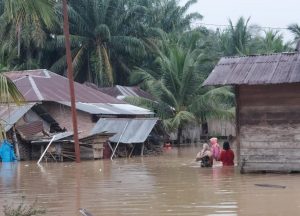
x: 205, y: 156
x: 227, y: 155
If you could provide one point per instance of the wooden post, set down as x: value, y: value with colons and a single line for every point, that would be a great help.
x: 16, y: 142
x: 46, y: 150
x: 71, y: 83
x: 237, y: 123
x: 132, y: 150
x: 142, y: 150
x: 114, y: 151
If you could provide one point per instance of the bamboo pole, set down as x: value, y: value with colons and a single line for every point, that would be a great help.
x: 46, y: 150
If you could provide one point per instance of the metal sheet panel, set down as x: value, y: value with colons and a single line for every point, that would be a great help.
x: 109, y: 109
x: 133, y: 130
x: 132, y: 110
x: 256, y: 70
x: 11, y: 113
x: 123, y: 91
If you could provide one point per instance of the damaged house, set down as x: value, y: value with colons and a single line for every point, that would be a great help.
x: 48, y: 111
x: 192, y: 133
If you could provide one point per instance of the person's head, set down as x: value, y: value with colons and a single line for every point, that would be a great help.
x: 226, y: 145
x: 205, y: 146
x: 213, y: 140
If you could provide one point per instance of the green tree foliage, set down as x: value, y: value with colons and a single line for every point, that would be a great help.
x: 272, y: 42
x: 102, y: 41
x: 8, y: 94
x: 169, y: 16
x: 23, y: 30
x: 110, y: 37
x: 176, y: 82
x: 235, y: 39
x: 295, y: 29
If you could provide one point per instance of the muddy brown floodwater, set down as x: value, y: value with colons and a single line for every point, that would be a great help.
x: 172, y: 184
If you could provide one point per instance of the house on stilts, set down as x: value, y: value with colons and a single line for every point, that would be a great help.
x: 267, y: 89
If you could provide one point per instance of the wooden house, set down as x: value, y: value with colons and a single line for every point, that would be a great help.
x: 268, y: 109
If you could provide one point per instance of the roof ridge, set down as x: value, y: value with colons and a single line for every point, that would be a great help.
x: 255, y: 55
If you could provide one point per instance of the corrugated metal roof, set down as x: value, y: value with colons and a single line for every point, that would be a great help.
x: 11, y: 113
x: 123, y: 91
x: 44, y: 85
x: 110, y: 109
x: 256, y: 70
x: 134, y: 130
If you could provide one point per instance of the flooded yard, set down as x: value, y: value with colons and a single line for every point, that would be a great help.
x: 172, y: 184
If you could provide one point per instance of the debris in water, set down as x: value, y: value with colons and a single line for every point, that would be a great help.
x: 84, y: 212
x: 270, y: 185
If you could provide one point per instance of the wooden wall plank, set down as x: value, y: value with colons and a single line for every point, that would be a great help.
x: 269, y: 127
x: 270, y: 95
x: 278, y: 167
x: 269, y: 144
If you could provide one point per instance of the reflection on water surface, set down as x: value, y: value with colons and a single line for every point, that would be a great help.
x: 172, y: 184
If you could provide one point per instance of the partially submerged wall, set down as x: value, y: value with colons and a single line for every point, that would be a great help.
x: 192, y: 133
x: 269, y: 127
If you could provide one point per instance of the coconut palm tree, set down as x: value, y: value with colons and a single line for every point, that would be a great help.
x: 235, y: 40
x: 169, y: 16
x: 295, y: 29
x: 23, y: 29
x: 272, y: 42
x: 175, y: 82
x: 103, y: 44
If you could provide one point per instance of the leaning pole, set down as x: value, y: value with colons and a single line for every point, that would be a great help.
x: 71, y: 82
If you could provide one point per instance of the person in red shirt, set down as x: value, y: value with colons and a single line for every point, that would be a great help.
x: 227, y: 155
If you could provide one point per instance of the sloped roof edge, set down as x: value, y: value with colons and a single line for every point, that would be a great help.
x: 277, y: 68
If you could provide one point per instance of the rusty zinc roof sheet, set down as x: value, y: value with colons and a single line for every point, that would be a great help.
x: 256, y: 70
x: 44, y: 85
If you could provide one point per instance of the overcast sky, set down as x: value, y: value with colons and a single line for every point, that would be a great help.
x: 270, y: 13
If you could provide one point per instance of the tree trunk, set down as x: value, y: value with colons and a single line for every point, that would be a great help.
x: 179, y: 133
x: 19, y: 28
x: 16, y: 142
x: 204, y: 132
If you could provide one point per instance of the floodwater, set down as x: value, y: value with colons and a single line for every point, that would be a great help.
x: 172, y: 184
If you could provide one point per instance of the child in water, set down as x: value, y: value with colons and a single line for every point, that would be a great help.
x: 215, y: 148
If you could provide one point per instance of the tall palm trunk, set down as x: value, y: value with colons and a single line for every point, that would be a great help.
x: 19, y: 28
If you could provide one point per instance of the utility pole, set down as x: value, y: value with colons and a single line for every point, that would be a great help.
x: 71, y: 82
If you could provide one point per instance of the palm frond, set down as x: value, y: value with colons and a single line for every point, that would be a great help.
x: 9, y: 92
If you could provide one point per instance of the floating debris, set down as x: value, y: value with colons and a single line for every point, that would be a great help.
x: 270, y: 185
x: 84, y: 212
